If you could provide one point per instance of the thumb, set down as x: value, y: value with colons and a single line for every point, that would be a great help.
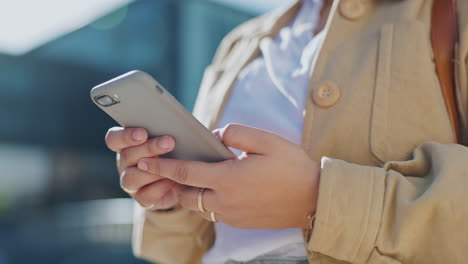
x: 249, y: 139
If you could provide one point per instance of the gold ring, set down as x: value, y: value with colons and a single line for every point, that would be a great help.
x: 200, y: 200
x: 213, y: 218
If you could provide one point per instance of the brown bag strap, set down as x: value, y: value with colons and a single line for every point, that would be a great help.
x: 444, y: 36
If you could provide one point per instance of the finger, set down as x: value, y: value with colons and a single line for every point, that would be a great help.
x: 188, y: 198
x: 133, y: 179
x: 118, y: 138
x: 153, y: 196
x: 250, y: 139
x: 193, y: 173
x: 153, y: 147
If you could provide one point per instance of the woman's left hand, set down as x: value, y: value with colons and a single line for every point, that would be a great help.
x: 273, y: 185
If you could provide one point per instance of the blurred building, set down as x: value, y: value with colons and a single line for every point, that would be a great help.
x: 53, y: 162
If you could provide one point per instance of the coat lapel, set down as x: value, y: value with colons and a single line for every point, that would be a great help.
x: 212, y: 100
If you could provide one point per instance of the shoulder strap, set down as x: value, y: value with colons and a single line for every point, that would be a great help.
x: 444, y: 36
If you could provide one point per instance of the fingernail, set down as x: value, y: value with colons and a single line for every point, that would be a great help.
x: 129, y: 191
x: 165, y: 142
x: 143, y: 165
x: 222, y: 130
x: 149, y: 207
x: 139, y: 135
x: 216, y: 133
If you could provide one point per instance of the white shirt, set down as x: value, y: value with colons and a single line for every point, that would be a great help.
x: 270, y: 93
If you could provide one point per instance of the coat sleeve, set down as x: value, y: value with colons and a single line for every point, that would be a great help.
x: 412, y: 211
x: 176, y: 237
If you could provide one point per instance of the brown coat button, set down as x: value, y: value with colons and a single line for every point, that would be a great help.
x: 327, y: 94
x: 352, y: 9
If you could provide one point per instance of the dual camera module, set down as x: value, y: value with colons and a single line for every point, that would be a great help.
x: 105, y: 100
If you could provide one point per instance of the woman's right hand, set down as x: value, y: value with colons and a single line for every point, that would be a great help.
x: 131, y: 145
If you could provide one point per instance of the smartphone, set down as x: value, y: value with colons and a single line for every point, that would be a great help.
x: 135, y: 99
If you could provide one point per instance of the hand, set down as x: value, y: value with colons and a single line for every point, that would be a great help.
x: 132, y: 144
x: 272, y: 185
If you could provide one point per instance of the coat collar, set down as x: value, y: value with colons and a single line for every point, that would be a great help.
x: 273, y: 22
x: 280, y: 18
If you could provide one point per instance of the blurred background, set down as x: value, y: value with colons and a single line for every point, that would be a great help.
x: 60, y: 200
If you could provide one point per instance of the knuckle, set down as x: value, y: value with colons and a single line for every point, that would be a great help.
x: 181, y: 174
x: 167, y: 200
x: 166, y: 187
x: 144, y: 197
x: 154, y: 166
x: 153, y: 146
x: 127, y: 137
x: 152, y: 194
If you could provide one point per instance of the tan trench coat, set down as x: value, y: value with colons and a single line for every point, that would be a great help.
x: 394, y: 188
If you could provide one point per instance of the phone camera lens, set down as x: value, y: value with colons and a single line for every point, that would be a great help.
x: 105, y: 100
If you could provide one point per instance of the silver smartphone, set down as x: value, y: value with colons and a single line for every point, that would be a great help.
x: 135, y: 99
